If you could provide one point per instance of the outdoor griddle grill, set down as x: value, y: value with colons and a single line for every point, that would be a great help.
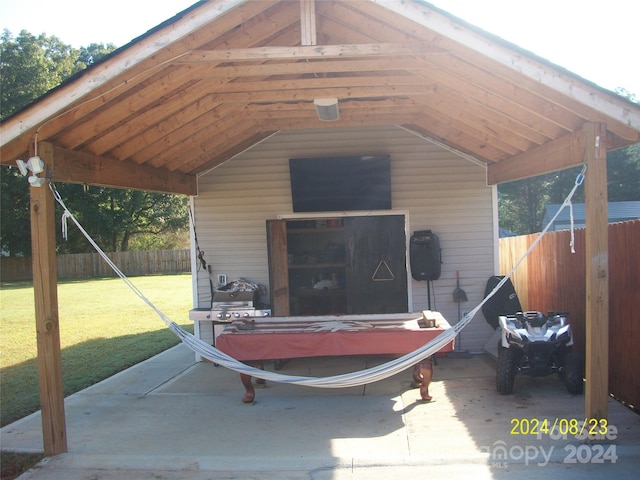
x: 229, y: 306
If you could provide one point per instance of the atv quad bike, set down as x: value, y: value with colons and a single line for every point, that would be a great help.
x: 537, y: 345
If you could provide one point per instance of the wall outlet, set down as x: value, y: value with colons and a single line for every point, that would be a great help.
x: 222, y: 279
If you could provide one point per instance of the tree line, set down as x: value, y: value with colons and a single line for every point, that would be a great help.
x: 118, y: 219
x: 522, y: 203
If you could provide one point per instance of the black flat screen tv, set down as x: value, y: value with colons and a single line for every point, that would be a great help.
x: 340, y: 183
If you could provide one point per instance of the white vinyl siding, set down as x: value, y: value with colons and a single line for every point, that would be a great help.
x: 438, y: 190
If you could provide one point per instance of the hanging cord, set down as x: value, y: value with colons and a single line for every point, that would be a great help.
x: 352, y: 379
x: 65, y: 228
x: 579, y: 181
x: 200, y: 254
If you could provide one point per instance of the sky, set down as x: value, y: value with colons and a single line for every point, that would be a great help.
x: 595, y: 40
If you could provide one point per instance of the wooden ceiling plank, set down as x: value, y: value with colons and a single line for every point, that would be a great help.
x: 126, y: 123
x: 424, y: 129
x: 367, y: 20
x: 351, y: 26
x: 187, y: 136
x: 121, y: 109
x: 499, y: 126
x: 172, y: 129
x: 565, y: 152
x: 80, y: 167
x: 200, y: 135
x: 335, y: 33
x: 446, y: 131
x: 390, y: 26
x: 129, y: 138
x: 463, y: 120
x: 257, y: 24
x: 494, y: 102
x: 213, y: 146
x: 232, y: 150
x: 510, y: 90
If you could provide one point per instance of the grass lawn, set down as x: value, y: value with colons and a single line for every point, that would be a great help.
x: 104, y: 328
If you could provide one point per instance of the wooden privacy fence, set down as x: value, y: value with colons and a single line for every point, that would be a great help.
x: 552, y: 278
x: 91, y: 265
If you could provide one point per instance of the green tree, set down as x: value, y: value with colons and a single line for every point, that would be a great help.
x: 623, y: 174
x: 521, y: 203
x: 115, y: 217
x: 30, y: 66
x: 15, y: 233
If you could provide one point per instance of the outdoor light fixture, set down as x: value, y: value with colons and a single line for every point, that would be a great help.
x: 35, y: 165
x: 327, y: 109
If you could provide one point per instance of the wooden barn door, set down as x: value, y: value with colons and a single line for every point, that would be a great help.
x: 376, y: 264
x: 278, y: 273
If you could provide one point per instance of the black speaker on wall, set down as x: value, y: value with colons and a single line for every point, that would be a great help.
x: 425, y: 257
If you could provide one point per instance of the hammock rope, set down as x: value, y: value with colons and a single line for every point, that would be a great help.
x: 350, y: 379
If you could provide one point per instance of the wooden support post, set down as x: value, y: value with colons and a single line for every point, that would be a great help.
x: 597, y: 271
x: 308, y: 22
x: 43, y: 244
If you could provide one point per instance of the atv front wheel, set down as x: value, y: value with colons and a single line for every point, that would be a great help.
x: 573, y: 373
x: 508, y: 360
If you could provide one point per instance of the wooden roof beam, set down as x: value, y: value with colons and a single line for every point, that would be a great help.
x: 565, y: 152
x: 77, y: 167
x: 301, y: 67
x: 306, y: 51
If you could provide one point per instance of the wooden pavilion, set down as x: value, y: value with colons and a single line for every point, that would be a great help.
x: 223, y: 75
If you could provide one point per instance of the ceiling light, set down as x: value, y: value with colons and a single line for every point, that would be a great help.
x: 22, y: 166
x: 327, y: 109
x: 36, y: 181
x: 36, y: 166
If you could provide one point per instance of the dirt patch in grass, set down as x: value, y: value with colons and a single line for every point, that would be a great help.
x: 13, y: 465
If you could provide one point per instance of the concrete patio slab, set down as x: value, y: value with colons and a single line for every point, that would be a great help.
x: 170, y: 417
